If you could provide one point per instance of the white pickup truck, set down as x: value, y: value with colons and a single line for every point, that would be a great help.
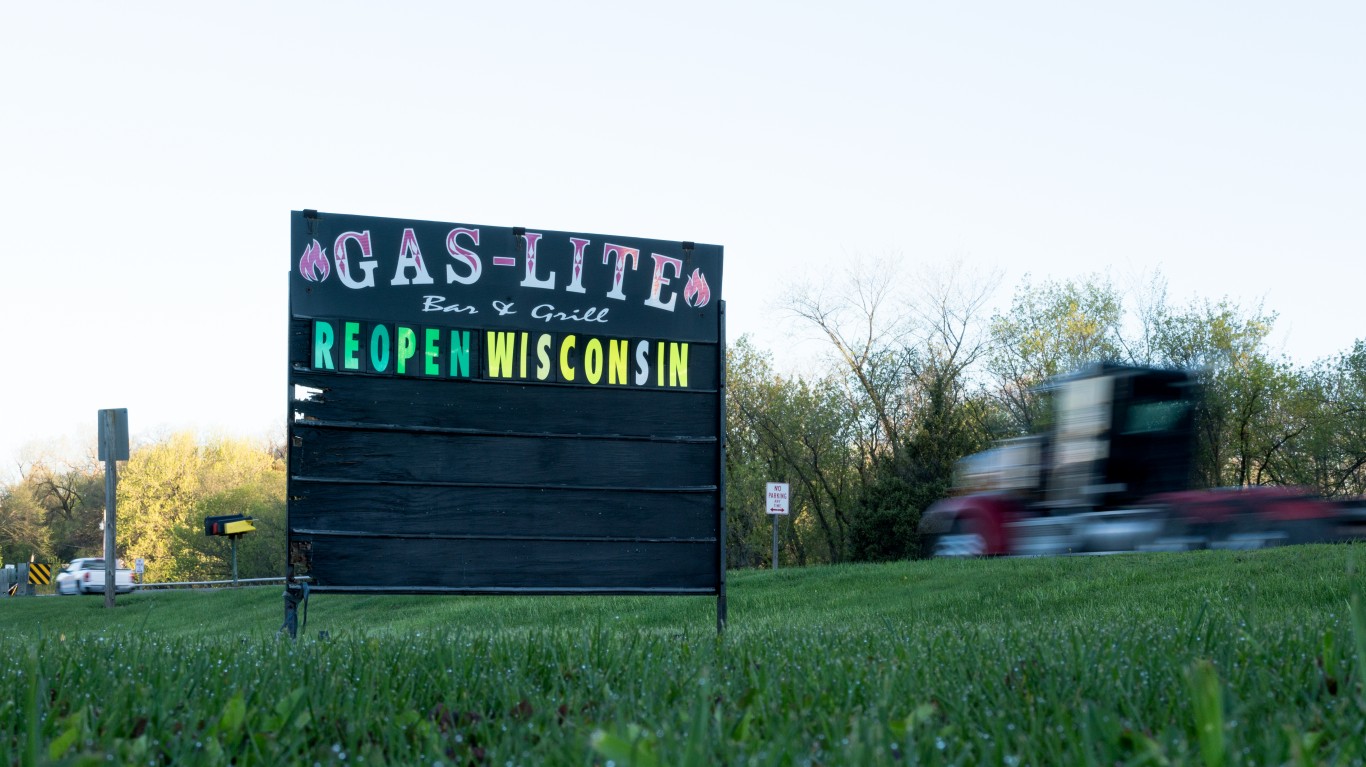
x: 86, y: 576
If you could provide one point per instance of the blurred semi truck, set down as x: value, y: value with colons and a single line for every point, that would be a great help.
x: 1112, y: 472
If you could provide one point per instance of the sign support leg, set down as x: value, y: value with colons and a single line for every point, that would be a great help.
x: 292, y: 596
x: 721, y: 470
x: 774, y: 517
x: 234, y: 558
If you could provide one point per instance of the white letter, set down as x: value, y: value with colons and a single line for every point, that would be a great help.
x: 410, y: 257
x: 343, y: 265
x: 620, y: 274
x: 530, y: 280
x: 468, y: 256
x: 660, y: 281
x: 642, y: 364
x: 576, y: 276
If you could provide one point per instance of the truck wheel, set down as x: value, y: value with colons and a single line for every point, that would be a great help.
x: 962, y: 540
x: 1309, y: 531
x: 1182, y: 535
x: 1248, y: 536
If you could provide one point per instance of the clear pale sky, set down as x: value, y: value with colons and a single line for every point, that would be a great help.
x: 150, y: 154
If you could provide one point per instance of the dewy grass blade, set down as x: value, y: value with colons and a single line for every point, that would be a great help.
x: 33, y: 732
x: 1358, y: 617
x: 1207, y: 706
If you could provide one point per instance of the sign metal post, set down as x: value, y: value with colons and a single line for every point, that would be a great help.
x: 776, y: 497
x: 113, y: 447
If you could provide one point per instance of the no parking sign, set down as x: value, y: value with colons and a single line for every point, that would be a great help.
x: 777, y: 498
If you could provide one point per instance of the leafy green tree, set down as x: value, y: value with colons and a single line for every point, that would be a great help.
x: 904, y: 484
x: 23, y: 530
x: 167, y: 488
x: 1348, y: 407
x: 56, y: 508
x: 260, y: 554
x: 861, y: 312
x: 909, y: 350
x: 749, y: 464
x: 1322, y: 428
x: 1242, y: 384
x: 72, y: 497
x: 1051, y: 329
x: 794, y: 430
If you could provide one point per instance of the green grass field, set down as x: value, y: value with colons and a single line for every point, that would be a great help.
x: 1214, y: 658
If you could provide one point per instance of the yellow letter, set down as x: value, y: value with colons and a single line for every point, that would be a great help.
x: 592, y: 360
x: 543, y: 356
x: 616, y: 362
x: 500, y: 354
x: 566, y: 372
x: 678, y: 365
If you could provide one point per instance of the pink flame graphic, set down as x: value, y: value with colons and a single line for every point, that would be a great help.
x: 696, y: 289
x: 313, y: 264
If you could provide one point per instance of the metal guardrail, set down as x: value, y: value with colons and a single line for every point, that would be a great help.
x: 229, y: 582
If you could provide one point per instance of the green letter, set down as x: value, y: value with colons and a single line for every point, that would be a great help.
x: 431, y: 365
x: 407, y: 347
x: 351, y: 345
x: 379, y: 349
x: 323, y: 336
x: 460, y: 354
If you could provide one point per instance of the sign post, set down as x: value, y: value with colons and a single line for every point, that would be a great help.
x: 776, y: 503
x: 113, y: 447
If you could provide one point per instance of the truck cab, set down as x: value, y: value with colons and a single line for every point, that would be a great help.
x: 86, y: 576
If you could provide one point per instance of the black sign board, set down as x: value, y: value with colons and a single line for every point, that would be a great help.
x: 493, y: 410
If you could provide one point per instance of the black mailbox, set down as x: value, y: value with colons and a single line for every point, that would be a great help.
x: 229, y: 524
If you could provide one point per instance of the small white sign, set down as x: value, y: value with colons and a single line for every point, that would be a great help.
x: 777, y: 494
x: 138, y: 565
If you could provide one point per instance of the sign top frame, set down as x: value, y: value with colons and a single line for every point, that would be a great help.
x: 451, y: 274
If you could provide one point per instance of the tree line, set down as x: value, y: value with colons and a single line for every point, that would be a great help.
x: 919, y: 373
x: 55, y: 511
